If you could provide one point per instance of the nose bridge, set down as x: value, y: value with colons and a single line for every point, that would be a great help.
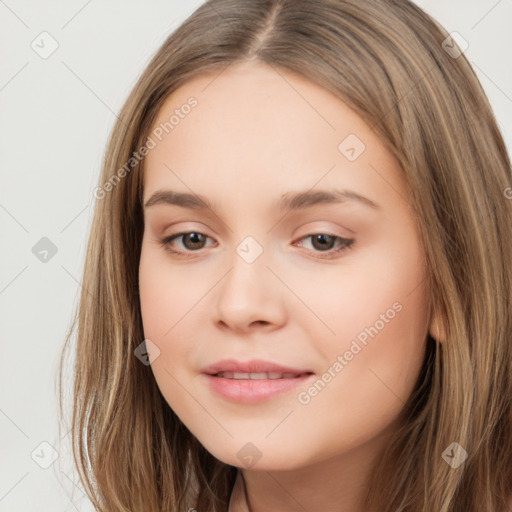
x: 248, y: 269
x: 247, y: 294
x: 249, y: 249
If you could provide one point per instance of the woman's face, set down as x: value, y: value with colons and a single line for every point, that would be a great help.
x: 307, y: 259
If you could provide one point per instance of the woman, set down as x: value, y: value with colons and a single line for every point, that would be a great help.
x: 271, y: 370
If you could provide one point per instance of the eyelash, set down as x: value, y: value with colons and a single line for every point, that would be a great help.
x: 347, y: 243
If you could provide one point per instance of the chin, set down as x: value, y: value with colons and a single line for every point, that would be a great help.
x: 259, y: 455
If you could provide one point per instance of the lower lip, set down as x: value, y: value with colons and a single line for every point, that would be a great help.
x: 250, y: 391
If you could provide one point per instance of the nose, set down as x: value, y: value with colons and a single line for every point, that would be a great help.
x: 250, y: 296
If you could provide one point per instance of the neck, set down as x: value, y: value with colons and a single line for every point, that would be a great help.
x: 337, y: 484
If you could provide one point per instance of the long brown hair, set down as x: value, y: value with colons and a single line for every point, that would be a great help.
x: 386, y: 60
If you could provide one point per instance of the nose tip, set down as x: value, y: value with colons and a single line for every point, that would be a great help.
x: 247, y: 300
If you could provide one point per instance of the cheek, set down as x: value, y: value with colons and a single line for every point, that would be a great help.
x: 167, y: 298
x: 172, y: 298
x: 371, y: 366
x: 167, y: 293
x: 378, y: 294
x: 377, y: 314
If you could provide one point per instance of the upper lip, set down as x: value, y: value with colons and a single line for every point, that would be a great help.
x: 252, y: 366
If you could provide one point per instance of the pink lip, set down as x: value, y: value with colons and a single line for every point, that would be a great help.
x: 252, y: 366
x: 252, y: 390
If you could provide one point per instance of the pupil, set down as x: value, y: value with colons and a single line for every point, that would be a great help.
x: 195, y: 238
x: 322, y: 240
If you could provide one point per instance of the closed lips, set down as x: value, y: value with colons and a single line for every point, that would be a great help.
x: 259, y: 375
x: 254, y: 381
x: 253, y: 369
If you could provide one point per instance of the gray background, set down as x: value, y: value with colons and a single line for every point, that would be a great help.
x: 56, y: 115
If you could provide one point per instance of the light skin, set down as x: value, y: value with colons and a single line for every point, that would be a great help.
x: 255, y: 135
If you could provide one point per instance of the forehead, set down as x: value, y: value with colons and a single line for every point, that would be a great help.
x: 258, y: 127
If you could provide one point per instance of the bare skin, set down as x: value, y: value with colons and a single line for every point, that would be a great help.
x: 255, y: 135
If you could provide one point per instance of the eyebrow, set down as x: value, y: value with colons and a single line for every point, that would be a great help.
x: 288, y: 201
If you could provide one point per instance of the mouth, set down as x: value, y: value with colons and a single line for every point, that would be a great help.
x: 255, y: 368
x: 259, y: 375
x: 253, y: 381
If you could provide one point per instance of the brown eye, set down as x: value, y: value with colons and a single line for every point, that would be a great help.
x: 325, y: 243
x: 194, y: 239
x: 191, y: 242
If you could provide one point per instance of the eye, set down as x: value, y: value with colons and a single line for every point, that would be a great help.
x: 193, y: 241
x: 326, y: 243
x: 196, y: 242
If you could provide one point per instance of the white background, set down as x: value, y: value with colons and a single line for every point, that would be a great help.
x: 56, y: 115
